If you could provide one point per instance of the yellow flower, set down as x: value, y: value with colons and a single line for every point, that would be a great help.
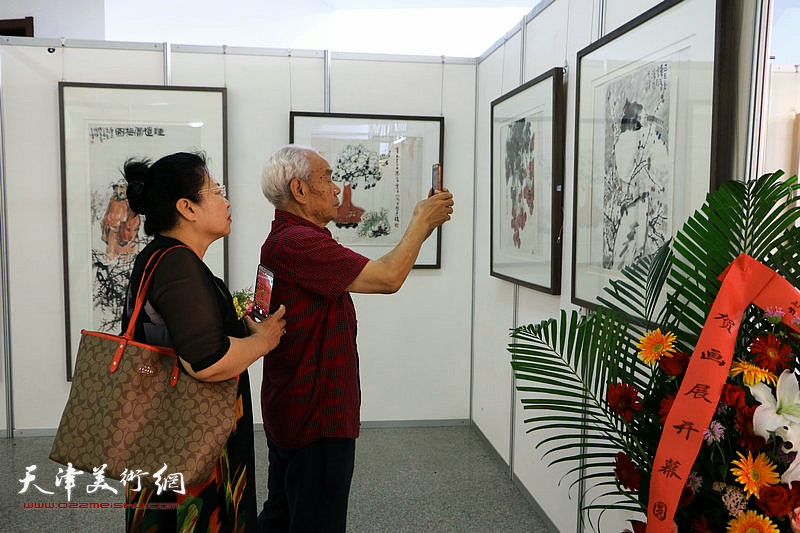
x: 238, y: 307
x: 653, y: 345
x: 752, y: 374
x: 751, y: 522
x: 754, y: 473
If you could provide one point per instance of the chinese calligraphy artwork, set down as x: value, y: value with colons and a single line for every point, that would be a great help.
x: 642, y: 143
x: 101, y: 127
x: 527, y: 176
x: 381, y: 164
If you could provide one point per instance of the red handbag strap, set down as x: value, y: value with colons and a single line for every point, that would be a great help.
x: 143, y: 286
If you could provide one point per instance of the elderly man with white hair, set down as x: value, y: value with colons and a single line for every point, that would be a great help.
x: 310, y: 393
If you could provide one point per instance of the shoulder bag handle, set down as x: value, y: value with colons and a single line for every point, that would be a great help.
x: 143, y: 286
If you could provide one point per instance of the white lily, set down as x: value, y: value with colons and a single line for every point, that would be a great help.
x: 792, y: 473
x: 780, y: 414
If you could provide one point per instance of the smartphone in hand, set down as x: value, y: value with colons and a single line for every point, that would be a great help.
x: 436, y: 179
x: 263, y: 292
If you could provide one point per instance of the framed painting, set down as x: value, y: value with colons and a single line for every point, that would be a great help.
x: 383, y: 165
x: 101, y: 127
x: 643, y: 139
x: 527, y: 175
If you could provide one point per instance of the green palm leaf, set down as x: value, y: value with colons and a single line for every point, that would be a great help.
x: 756, y: 218
x: 565, y: 367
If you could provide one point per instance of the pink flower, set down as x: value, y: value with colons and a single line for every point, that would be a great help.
x: 774, y: 314
x: 714, y: 433
x: 735, y: 500
x: 796, y: 321
x: 794, y: 520
x: 694, y: 481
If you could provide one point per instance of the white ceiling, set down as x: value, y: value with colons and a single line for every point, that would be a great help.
x: 417, y: 4
x: 435, y: 27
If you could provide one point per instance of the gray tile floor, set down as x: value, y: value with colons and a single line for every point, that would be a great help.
x: 406, y: 480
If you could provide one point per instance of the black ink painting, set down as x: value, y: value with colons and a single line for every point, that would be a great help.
x: 638, y: 177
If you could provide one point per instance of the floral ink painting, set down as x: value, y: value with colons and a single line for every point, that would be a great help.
x: 527, y: 158
x: 520, y: 159
x: 638, y: 177
x: 369, y: 173
x: 520, y: 168
x: 381, y: 165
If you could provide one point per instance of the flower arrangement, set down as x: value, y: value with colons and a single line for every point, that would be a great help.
x: 243, y: 301
x: 742, y: 475
x: 606, y: 382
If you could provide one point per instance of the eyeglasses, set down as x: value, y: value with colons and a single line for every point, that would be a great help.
x: 219, y: 189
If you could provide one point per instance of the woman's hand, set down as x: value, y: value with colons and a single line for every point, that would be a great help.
x: 269, y: 331
x: 264, y: 337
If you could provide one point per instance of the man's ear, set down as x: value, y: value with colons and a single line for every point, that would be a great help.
x: 186, y: 208
x: 299, y: 189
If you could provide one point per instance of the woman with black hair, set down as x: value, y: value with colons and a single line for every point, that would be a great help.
x: 191, y: 310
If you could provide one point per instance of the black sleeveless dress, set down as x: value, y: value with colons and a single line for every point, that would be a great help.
x: 191, y: 310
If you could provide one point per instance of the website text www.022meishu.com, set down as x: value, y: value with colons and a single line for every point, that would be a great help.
x: 103, y: 505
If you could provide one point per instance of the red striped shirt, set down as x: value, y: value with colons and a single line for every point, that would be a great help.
x: 310, y: 387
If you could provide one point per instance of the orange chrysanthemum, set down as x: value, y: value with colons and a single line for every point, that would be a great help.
x: 653, y: 345
x: 752, y: 374
x: 752, y: 522
x: 754, y: 474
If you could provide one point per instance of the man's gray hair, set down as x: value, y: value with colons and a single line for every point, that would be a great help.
x: 287, y: 163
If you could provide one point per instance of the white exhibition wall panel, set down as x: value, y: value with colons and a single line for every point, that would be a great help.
x: 414, y: 345
x: 511, y: 54
x: 545, y: 40
x: 553, y: 37
x: 258, y: 104
x: 493, y: 313
x: 30, y: 77
x: 618, y: 12
x: 3, y: 404
x: 3, y: 310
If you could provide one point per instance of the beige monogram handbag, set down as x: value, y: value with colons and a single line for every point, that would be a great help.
x: 131, y: 409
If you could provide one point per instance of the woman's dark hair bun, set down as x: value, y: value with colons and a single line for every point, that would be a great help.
x: 137, y: 174
x: 153, y: 189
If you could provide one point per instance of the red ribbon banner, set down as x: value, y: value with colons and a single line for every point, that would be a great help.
x: 745, y: 281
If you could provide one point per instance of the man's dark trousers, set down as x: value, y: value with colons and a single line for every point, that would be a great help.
x: 308, y: 487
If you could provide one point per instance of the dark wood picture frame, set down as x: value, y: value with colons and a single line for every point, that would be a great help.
x: 17, y: 27
x: 352, y: 118
x: 87, y: 104
x: 553, y: 103
x: 719, y: 156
